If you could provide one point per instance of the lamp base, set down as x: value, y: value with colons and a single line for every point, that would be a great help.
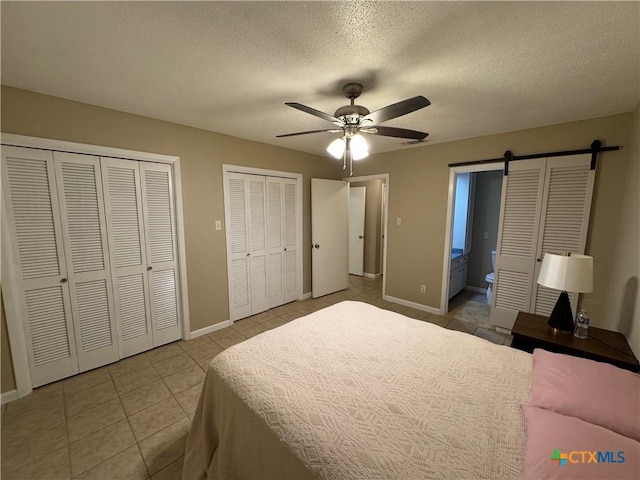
x: 561, y: 318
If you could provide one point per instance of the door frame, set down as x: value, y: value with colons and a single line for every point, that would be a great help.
x: 446, y: 261
x: 226, y: 170
x: 385, y: 210
x: 13, y: 308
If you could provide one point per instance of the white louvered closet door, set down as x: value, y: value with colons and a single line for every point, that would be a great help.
x: 85, y: 239
x: 162, y: 266
x: 256, y: 186
x: 31, y: 198
x: 123, y: 205
x: 290, y: 270
x: 276, y: 255
x: 238, y: 262
x: 522, y: 191
x: 564, y: 220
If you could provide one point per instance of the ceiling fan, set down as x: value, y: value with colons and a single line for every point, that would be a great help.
x: 351, y: 120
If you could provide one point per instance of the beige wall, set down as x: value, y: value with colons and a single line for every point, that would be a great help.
x: 372, y: 224
x: 418, y: 185
x: 486, y: 214
x: 202, y: 153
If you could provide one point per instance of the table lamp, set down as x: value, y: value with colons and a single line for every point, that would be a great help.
x: 570, y: 272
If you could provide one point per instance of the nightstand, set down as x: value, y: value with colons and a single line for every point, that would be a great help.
x: 531, y: 331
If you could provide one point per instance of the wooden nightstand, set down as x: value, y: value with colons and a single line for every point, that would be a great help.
x: 531, y: 331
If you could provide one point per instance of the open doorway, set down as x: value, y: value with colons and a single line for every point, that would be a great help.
x: 367, y: 226
x: 472, y: 233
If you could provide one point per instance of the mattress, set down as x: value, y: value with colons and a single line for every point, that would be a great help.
x: 353, y: 391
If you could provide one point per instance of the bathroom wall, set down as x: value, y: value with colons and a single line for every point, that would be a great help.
x: 486, y: 214
x: 372, y: 225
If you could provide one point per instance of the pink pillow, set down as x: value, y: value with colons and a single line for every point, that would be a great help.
x: 566, y: 447
x: 595, y: 392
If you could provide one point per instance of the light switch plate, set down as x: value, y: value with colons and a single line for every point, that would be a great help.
x: 218, y: 225
x: 398, y: 221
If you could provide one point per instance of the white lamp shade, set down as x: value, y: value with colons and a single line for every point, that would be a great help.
x: 572, y: 273
x: 336, y: 148
x: 359, y: 147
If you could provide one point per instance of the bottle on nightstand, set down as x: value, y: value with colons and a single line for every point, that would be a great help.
x: 581, y: 325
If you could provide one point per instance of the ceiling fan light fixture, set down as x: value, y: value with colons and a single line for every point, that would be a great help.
x: 336, y: 148
x: 359, y: 147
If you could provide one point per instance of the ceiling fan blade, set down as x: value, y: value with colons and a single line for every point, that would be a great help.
x: 329, y: 130
x: 396, y: 132
x: 317, y: 113
x: 396, y: 110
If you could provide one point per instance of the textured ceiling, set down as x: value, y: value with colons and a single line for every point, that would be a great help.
x: 228, y: 67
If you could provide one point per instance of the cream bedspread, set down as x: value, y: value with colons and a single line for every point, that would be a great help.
x: 353, y: 391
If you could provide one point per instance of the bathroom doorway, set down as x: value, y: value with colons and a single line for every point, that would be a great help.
x: 472, y: 232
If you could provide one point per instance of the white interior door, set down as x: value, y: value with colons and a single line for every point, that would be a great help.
x: 522, y: 191
x: 162, y: 266
x: 275, y: 258
x: 89, y: 271
x: 31, y: 197
x: 357, y: 202
x: 329, y: 236
x: 256, y: 186
x: 290, y: 269
x: 126, y: 237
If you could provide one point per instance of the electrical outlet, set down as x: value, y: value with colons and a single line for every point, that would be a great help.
x: 398, y: 221
x: 218, y: 225
x: 423, y: 289
x: 486, y: 235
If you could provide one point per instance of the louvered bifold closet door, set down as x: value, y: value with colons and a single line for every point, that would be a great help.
x: 85, y: 239
x: 256, y: 193
x: 564, y: 219
x: 31, y: 199
x: 123, y: 206
x: 275, y: 259
x: 238, y: 238
x: 160, y: 229
x: 290, y: 268
x: 516, y: 251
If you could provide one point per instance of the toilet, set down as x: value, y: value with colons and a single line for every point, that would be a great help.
x: 489, y: 277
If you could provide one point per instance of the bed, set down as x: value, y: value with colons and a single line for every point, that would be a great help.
x: 353, y: 391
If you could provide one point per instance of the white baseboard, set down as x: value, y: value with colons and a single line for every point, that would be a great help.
x: 503, y: 330
x: 9, y: 396
x: 211, y: 329
x: 476, y: 289
x: 305, y: 296
x: 407, y: 303
x: 372, y: 275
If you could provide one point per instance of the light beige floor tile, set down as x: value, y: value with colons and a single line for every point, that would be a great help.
x: 489, y: 335
x: 161, y: 353
x: 96, y: 418
x: 188, y: 399
x: 244, y: 324
x: 205, y: 351
x: 173, y: 364
x: 507, y: 341
x: 287, y: 317
x: 437, y: 319
x: 39, y: 396
x: 204, y: 363
x: 194, y: 344
x: 100, y: 446
x: 171, y: 472
x: 414, y: 313
x: 230, y: 341
x: 461, y: 326
x: 54, y: 466
x: 274, y: 312
x: 84, y: 381
x: 394, y: 307
x: 156, y: 417
x: 222, y: 333
x: 126, y: 465
x: 138, y: 377
x: 90, y: 397
x: 25, y: 423
x: 27, y: 449
x: 254, y: 330
x: 129, y: 365
x: 144, y: 396
x: 165, y: 447
x: 274, y: 322
x: 183, y: 379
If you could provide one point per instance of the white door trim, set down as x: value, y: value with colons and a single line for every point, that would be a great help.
x: 9, y: 257
x: 385, y: 179
x: 446, y: 260
x: 226, y: 170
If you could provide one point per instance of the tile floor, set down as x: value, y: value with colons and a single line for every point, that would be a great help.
x: 129, y: 420
x: 470, y: 307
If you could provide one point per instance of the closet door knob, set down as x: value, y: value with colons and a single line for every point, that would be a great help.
x: 248, y: 254
x: 360, y: 236
x: 149, y: 269
x: 316, y: 246
x: 64, y: 280
x: 538, y: 260
x: 285, y: 249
